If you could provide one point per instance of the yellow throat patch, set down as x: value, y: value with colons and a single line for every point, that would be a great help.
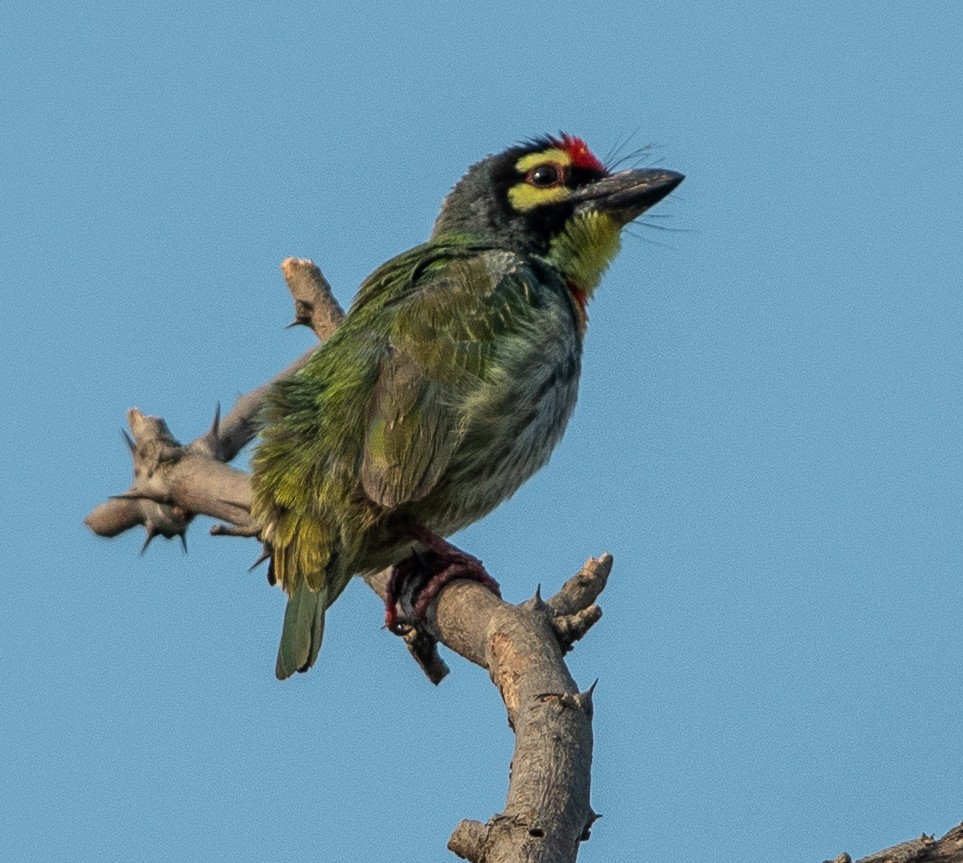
x: 585, y: 248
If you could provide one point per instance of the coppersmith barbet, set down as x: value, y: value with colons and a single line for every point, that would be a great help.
x: 448, y: 384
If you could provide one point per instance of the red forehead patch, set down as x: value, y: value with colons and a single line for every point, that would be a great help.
x: 582, y: 156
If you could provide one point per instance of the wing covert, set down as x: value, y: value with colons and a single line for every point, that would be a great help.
x: 444, y: 338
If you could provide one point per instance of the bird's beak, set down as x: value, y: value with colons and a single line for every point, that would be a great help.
x: 627, y: 194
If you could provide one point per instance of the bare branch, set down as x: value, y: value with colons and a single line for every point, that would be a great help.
x: 573, y: 607
x: 204, y: 486
x: 314, y: 303
x: 171, y: 485
x: 228, y: 436
x: 315, y: 307
x: 547, y: 812
x: 926, y: 849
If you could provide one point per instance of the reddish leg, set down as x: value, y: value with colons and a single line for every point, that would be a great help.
x: 451, y: 563
x: 443, y: 563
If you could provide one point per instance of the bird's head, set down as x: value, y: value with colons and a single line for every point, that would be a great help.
x: 554, y: 198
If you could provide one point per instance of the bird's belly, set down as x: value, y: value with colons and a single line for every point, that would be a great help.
x: 510, y: 435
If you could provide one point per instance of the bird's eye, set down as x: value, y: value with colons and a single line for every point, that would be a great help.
x: 544, y: 176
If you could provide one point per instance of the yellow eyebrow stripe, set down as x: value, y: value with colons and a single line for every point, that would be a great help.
x: 559, y: 157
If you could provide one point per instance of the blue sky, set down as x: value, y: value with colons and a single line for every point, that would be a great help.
x: 768, y: 437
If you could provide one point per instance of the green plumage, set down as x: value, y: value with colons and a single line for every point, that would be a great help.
x: 448, y: 384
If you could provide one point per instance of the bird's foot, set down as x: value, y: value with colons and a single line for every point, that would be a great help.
x: 457, y: 565
x: 401, y: 574
x: 438, y: 565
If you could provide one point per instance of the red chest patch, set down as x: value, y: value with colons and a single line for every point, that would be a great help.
x: 581, y: 302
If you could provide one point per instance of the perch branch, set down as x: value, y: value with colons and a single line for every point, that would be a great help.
x: 547, y: 813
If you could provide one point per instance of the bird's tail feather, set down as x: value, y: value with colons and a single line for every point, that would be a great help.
x: 303, y: 630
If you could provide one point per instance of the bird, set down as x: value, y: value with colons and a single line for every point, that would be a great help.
x: 448, y: 384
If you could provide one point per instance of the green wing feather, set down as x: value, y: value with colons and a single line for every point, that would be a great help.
x: 443, y: 338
